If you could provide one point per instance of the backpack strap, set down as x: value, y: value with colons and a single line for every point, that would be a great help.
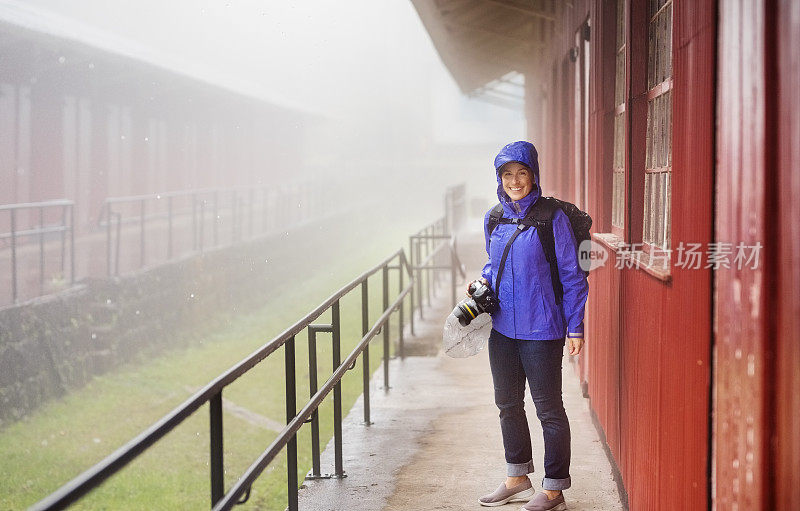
x: 541, y: 216
x: 520, y: 228
x: 494, y: 218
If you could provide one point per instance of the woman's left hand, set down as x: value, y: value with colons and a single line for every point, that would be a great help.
x: 575, y: 345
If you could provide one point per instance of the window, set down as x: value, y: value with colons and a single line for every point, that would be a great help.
x: 618, y: 183
x: 658, y: 159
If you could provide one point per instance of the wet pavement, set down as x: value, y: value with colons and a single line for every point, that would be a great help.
x: 435, y: 439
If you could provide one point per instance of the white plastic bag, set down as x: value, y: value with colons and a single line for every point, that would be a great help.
x: 464, y: 341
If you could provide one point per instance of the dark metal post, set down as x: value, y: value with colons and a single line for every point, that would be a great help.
x: 194, y: 221
x: 201, y: 235
x: 337, y: 390
x: 250, y: 213
x: 72, y: 244
x: 418, y: 254
x: 216, y: 461
x: 312, y: 389
x: 428, y: 272
x: 169, y: 228
x: 385, y: 329
x: 108, y: 238
x: 141, y: 241
x: 118, y: 217
x: 215, y: 221
x: 400, y: 347
x: 291, y: 412
x: 234, y: 215
x: 63, y: 231
x: 41, y: 250
x: 365, y: 357
x: 411, y: 318
x: 14, y: 254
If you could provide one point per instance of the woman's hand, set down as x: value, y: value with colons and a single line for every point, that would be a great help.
x: 575, y: 345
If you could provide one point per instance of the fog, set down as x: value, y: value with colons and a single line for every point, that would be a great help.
x: 367, y: 67
x: 182, y: 180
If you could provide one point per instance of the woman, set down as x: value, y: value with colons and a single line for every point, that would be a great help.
x: 529, y: 331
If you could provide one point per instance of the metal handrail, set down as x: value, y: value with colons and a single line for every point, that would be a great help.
x: 206, y: 205
x: 65, y: 227
x: 212, y: 394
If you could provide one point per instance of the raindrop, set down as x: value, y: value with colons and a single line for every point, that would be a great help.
x: 94, y: 336
x: 122, y: 137
x: 91, y: 65
x: 191, y: 295
x: 61, y: 59
x: 108, y: 301
x: 96, y: 440
x: 137, y: 313
x: 146, y: 139
x: 44, y: 443
x: 158, y: 196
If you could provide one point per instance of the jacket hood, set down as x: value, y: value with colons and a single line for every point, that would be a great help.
x: 524, y: 153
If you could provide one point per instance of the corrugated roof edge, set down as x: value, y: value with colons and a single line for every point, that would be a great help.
x: 32, y: 19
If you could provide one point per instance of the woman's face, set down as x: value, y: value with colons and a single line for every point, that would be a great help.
x: 517, y: 180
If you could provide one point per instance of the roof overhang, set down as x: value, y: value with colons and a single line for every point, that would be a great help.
x: 487, y: 44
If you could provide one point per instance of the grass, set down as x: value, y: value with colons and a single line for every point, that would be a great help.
x: 65, y: 437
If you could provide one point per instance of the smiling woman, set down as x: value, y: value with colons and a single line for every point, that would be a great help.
x: 516, y: 180
x: 530, y: 328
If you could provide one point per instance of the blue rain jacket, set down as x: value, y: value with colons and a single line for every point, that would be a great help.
x: 527, y: 306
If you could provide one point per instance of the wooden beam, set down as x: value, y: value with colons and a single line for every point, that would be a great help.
x: 530, y: 11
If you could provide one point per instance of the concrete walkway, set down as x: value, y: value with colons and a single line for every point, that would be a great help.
x: 435, y: 439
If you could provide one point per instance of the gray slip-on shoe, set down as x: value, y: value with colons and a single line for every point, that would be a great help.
x: 503, y: 495
x: 540, y: 503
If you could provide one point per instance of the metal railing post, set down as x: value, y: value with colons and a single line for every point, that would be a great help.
x: 216, y: 461
x: 337, y: 390
x: 312, y: 389
x: 141, y: 241
x: 108, y: 238
x: 400, y: 339
x: 202, y: 224
x: 72, y: 244
x: 428, y: 272
x: 41, y: 250
x: 385, y: 329
x: 63, y: 231
x: 418, y: 266
x: 194, y: 221
x: 118, y: 217
x: 411, y: 293
x: 14, y: 255
x: 169, y: 227
x: 215, y: 223
x: 365, y: 354
x: 291, y: 411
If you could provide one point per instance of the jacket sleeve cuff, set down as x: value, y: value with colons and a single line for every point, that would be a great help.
x: 575, y: 335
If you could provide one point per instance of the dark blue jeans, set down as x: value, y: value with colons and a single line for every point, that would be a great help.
x: 513, y: 361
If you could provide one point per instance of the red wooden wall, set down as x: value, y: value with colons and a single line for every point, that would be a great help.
x: 757, y: 384
x: 648, y: 339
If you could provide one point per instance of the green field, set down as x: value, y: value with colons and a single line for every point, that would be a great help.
x: 65, y: 437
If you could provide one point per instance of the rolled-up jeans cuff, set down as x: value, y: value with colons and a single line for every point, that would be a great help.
x: 556, y: 484
x: 519, y: 469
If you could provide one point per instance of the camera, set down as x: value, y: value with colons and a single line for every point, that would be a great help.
x: 482, y: 300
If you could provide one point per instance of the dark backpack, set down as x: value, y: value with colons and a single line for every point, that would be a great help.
x: 540, y: 215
